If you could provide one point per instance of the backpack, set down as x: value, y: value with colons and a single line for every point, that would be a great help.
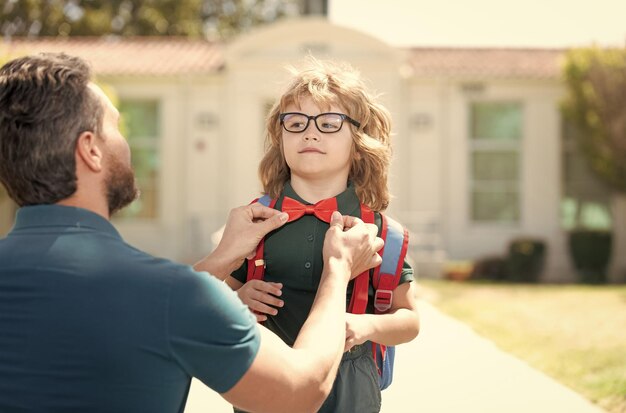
x: 385, y: 279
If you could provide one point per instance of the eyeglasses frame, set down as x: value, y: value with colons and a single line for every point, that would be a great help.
x: 343, y: 117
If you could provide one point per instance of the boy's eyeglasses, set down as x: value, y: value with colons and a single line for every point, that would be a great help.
x: 324, y: 122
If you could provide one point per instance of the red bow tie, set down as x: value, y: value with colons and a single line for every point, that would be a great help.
x: 322, y: 210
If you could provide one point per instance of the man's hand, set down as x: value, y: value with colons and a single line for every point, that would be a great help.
x: 245, y: 228
x: 351, y: 240
x: 260, y: 297
x: 358, y: 330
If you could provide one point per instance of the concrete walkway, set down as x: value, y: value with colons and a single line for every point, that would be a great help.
x: 450, y: 369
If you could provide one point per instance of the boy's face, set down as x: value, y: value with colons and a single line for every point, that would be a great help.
x: 313, y: 155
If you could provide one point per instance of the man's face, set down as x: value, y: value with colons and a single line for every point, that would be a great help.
x: 120, y: 185
x: 121, y: 188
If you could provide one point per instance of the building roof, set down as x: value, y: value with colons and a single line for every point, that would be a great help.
x: 130, y: 56
x: 487, y: 62
x: 174, y: 56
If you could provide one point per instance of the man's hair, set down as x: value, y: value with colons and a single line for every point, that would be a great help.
x: 330, y: 83
x: 45, y: 103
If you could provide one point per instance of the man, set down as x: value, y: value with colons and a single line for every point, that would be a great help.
x: 89, y: 323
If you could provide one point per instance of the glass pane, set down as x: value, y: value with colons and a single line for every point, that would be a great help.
x: 594, y: 215
x: 568, y: 213
x: 576, y: 214
x: 496, y: 121
x: 146, y: 164
x: 495, y: 206
x: 495, y: 165
x: 140, y: 119
x: 140, y: 124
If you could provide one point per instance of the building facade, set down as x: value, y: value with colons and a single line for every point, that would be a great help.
x: 478, y: 136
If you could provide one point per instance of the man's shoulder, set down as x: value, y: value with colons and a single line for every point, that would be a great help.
x: 144, y: 262
x: 123, y: 260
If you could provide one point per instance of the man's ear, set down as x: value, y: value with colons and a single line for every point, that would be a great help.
x: 88, y: 151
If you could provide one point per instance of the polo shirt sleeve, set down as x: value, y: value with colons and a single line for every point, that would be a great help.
x: 212, y: 335
x: 407, y: 274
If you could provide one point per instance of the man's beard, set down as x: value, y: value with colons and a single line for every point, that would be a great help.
x: 120, y: 186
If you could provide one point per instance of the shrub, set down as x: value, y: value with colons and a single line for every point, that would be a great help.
x: 591, y: 251
x: 489, y: 268
x: 525, y: 260
x: 458, y: 270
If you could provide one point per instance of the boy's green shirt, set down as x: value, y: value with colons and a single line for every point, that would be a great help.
x: 293, y: 257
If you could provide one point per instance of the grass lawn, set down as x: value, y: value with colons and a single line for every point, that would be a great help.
x: 574, y: 333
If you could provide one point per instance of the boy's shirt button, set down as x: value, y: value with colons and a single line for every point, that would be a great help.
x: 307, y: 265
x: 310, y: 238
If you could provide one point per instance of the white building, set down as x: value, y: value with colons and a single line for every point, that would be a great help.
x: 478, y: 143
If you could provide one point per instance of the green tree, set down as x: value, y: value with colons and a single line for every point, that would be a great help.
x: 596, y: 105
x: 214, y: 19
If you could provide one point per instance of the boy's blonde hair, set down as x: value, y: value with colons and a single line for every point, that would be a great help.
x: 332, y: 83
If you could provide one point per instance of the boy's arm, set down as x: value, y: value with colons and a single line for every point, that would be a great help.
x: 261, y: 297
x: 300, y: 378
x: 233, y: 283
x: 400, y: 325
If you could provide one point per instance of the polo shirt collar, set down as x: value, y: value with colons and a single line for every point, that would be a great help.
x: 347, y: 201
x: 42, y: 216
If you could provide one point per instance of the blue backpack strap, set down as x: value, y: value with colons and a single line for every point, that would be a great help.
x: 265, y: 200
x: 387, y: 276
x: 386, y: 279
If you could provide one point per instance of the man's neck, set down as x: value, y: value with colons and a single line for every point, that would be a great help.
x: 93, y: 205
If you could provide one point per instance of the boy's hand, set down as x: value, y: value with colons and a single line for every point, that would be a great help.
x: 260, y: 297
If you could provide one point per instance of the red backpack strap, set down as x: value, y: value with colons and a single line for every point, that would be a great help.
x: 358, y: 301
x: 256, y: 265
x: 387, y: 275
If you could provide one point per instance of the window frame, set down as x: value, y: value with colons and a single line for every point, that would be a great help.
x: 486, y: 145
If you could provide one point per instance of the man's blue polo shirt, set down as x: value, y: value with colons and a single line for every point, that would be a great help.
x: 91, y: 324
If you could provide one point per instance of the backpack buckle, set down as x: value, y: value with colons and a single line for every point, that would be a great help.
x: 382, y: 300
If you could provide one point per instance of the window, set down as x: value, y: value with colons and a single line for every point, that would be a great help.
x: 586, y: 199
x: 141, y: 126
x: 495, y: 136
